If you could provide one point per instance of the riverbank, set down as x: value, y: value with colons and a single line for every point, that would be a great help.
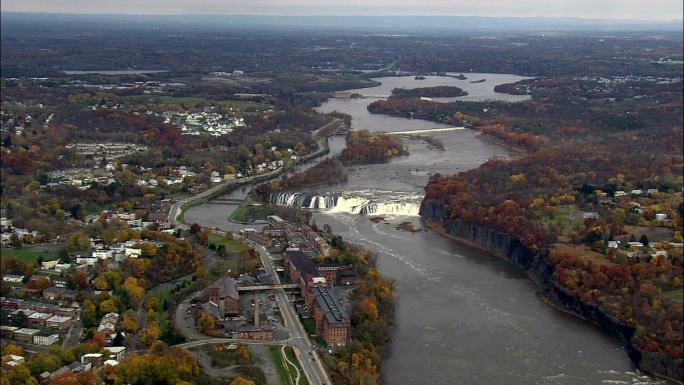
x: 321, y: 135
x: 540, y: 271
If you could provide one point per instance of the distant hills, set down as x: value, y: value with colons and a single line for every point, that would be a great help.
x: 372, y: 24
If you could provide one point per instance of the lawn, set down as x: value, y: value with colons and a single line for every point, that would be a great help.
x: 29, y: 254
x: 677, y: 294
x: 279, y: 364
x: 179, y: 100
x: 563, y: 218
x: 289, y: 352
x: 162, y: 315
x: 251, y: 213
x: 231, y: 245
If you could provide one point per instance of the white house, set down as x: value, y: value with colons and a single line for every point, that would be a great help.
x: 12, y: 278
x: 45, y: 339
x: 660, y: 217
x: 49, y: 265
x: 131, y: 252
x: 102, y: 254
x: 90, y: 261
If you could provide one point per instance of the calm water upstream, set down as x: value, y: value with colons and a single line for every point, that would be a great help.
x: 463, y: 316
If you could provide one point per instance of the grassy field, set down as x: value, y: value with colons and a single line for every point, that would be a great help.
x: 162, y: 315
x: 677, y: 294
x: 251, y: 213
x: 231, y: 245
x: 179, y: 100
x: 29, y: 254
x: 289, y: 352
x: 279, y: 364
x: 563, y: 218
x: 243, y: 106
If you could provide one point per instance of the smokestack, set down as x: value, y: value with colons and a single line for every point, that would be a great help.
x: 256, y: 312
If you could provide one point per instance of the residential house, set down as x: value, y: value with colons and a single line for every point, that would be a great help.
x: 45, y: 338
x: 13, y: 278
x: 25, y: 335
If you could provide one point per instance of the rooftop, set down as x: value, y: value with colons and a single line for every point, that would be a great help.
x: 326, y: 300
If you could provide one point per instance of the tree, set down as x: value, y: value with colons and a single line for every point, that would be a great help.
x: 241, y: 381
x: 134, y: 291
x: 129, y: 323
x: 108, y: 306
x: 195, y: 228
x: 153, y: 304
x: 13, y: 349
x: 15, y: 241
x: 644, y: 240
x: 150, y: 334
x: 206, y: 324
x: 78, y: 241
x: 244, y: 354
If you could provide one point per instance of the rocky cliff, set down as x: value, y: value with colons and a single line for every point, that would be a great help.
x: 541, y: 271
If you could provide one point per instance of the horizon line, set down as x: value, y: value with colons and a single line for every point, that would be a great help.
x: 648, y: 20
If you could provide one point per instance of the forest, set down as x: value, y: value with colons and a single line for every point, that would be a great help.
x: 430, y: 92
x: 581, y: 155
x: 364, y: 147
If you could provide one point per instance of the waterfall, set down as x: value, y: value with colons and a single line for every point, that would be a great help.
x: 364, y: 202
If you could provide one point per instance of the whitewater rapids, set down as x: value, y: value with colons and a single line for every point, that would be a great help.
x: 363, y: 202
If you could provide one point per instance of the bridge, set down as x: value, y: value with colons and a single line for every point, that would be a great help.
x: 410, y: 132
x: 268, y: 287
x: 227, y: 201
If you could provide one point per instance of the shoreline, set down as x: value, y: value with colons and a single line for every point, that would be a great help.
x: 546, y: 300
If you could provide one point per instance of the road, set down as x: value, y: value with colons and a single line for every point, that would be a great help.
x: 299, y: 339
x: 73, y: 336
x: 142, y: 310
x: 176, y: 208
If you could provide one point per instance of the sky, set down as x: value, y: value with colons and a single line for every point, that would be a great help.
x: 593, y: 9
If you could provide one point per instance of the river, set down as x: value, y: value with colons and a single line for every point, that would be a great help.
x: 463, y: 316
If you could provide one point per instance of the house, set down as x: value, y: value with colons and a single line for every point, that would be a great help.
x: 5, y: 224
x: 59, y: 322
x: 89, y: 261
x: 53, y: 293
x: 635, y: 244
x: 223, y: 293
x: 7, y: 331
x: 45, y: 338
x: 636, y: 192
x: 613, y: 244
x: 620, y: 193
x: 49, y: 265
x: 590, y: 215
x: 258, y: 238
x: 38, y: 320
x: 75, y: 367
x: 13, y: 278
x: 116, y: 353
x: 660, y: 217
x: 132, y: 252
x: 102, y: 254
x: 59, y: 282
x: 13, y: 361
x: 25, y: 335
x: 211, y: 309
x: 95, y: 359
